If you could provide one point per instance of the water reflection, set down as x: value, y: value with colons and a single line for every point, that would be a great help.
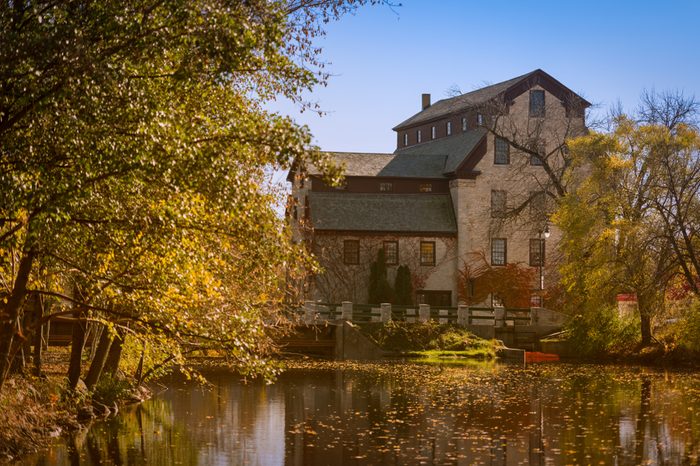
x: 407, y: 414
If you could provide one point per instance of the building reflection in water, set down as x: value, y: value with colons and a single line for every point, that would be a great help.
x: 406, y: 415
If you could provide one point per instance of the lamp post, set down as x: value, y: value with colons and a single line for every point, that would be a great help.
x: 544, y: 234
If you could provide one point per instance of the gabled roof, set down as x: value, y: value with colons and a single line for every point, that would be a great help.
x: 482, y: 96
x: 434, y: 159
x: 453, y: 148
x: 398, y: 213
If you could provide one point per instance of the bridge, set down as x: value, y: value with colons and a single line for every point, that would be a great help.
x: 517, y: 327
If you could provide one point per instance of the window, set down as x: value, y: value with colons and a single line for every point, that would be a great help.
x: 498, y: 251
x: 501, y: 152
x: 538, y: 203
x: 301, y: 182
x: 433, y: 132
x: 535, y: 301
x: 448, y: 128
x: 427, y: 253
x: 386, y: 187
x: 391, y: 252
x: 496, y: 300
x: 425, y: 187
x: 537, y: 103
x: 351, y: 251
x: 405, y: 139
x: 480, y: 119
x: 464, y: 123
x: 540, y: 147
x: 536, y: 252
x: 499, y: 202
x: 419, y: 136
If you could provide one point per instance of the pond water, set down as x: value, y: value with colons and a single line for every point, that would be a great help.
x: 404, y: 413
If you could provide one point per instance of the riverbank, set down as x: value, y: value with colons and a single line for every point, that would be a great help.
x: 33, y: 410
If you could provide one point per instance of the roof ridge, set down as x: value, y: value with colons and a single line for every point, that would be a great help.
x: 465, y: 94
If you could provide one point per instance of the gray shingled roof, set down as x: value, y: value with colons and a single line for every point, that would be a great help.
x: 433, y: 159
x: 400, y: 213
x: 462, y: 102
x: 453, y: 148
x: 412, y: 165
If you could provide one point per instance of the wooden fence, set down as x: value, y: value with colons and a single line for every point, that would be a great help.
x: 317, y: 312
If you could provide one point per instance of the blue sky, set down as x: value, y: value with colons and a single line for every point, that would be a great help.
x: 382, y: 60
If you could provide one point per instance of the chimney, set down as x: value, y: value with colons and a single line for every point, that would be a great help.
x: 425, y: 100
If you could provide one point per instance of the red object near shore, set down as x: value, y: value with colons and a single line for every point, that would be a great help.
x: 536, y: 356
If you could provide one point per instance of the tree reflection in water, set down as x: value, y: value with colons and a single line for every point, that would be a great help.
x: 347, y: 414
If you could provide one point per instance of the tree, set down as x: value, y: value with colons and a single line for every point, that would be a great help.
x: 617, y: 237
x: 379, y: 290
x: 511, y: 284
x: 541, y: 142
x: 133, y: 149
x: 403, y: 288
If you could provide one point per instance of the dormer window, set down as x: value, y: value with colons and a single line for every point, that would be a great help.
x: 448, y: 128
x: 537, y: 103
x: 419, y: 136
x: 464, y: 123
x: 480, y: 119
x: 405, y: 139
x: 433, y: 132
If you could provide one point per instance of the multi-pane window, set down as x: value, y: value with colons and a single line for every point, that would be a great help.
x: 351, y: 251
x: 386, y: 187
x: 433, y: 132
x: 391, y: 252
x: 498, y: 251
x: 499, y: 200
x: 480, y: 119
x: 501, y: 151
x: 427, y: 253
x: 464, y: 124
x: 419, y: 136
x: 537, y: 103
x: 425, y: 187
x: 448, y: 128
x: 405, y: 139
x: 540, y: 147
x: 538, y: 203
x: 536, y: 252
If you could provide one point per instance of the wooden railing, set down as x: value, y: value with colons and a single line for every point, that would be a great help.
x: 464, y: 315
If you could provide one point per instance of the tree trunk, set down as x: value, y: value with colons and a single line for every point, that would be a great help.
x: 39, y: 335
x: 9, y: 317
x: 77, y: 344
x: 645, y: 322
x: 115, y: 353
x: 98, y: 360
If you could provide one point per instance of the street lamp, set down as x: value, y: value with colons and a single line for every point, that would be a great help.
x: 544, y: 234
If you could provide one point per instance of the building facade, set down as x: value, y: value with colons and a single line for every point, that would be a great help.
x: 471, y: 181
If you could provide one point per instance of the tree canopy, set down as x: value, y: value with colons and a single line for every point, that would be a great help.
x: 134, y: 143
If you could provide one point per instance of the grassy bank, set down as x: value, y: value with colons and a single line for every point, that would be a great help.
x: 430, y: 340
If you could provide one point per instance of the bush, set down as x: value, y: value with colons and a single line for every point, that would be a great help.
x: 601, y: 333
x: 110, y: 389
x: 681, y: 329
x: 402, y: 336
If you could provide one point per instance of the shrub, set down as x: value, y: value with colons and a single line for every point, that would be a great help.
x: 595, y: 334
